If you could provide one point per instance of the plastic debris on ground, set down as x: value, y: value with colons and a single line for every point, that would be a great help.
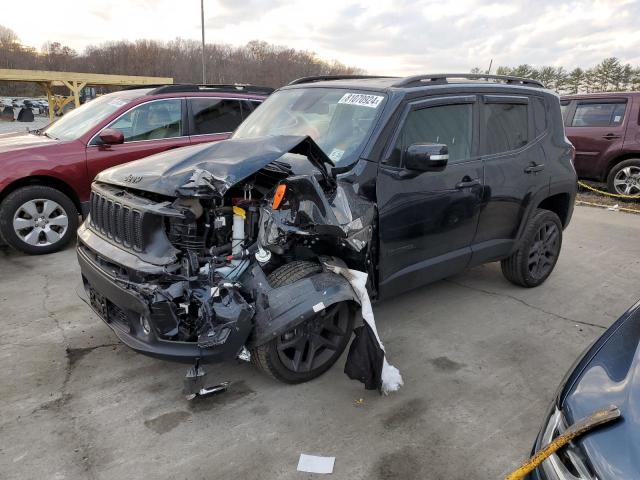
x: 315, y: 464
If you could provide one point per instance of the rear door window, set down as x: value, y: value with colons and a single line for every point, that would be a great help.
x: 214, y: 115
x: 610, y: 114
x: 506, y: 127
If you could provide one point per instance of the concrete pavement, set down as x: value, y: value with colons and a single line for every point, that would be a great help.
x: 481, y: 360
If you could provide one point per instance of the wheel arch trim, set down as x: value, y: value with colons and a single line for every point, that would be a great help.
x: 281, y: 309
x: 43, y: 181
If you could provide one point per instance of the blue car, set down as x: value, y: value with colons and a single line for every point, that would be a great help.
x: 608, y: 373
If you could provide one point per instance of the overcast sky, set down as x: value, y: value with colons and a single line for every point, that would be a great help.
x: 383, y: 37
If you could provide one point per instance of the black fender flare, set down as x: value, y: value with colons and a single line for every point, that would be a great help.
x: 279, y: 310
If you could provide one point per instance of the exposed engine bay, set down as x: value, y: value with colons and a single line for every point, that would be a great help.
x: 184, y: 276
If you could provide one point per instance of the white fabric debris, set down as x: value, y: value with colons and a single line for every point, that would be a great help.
x: 314, y: 464
x: 245, y: 355
x: 391, y: 378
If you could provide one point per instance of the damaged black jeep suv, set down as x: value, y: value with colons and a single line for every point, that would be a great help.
x: 215, y: 250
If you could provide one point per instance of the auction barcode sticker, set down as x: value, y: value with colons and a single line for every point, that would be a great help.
x: 361, y: 99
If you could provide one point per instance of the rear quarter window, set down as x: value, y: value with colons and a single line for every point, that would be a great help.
x: 539, y: 115
x: 564, y: 109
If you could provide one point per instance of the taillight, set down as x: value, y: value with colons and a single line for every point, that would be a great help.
x: 279, y: 195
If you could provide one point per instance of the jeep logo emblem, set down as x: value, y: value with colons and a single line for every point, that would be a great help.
x: 132, y: 179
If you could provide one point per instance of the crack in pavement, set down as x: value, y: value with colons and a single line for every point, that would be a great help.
x: 519, y: 300
x: 47, y: 293
x: 75, y: 354
x: 82, y: 447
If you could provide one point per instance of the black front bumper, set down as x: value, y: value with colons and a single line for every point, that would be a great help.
x: 123, y: 310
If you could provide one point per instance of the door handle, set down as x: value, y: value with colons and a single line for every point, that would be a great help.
x: 534, y: 167
x: 610, y: 136
x: 467, y: 183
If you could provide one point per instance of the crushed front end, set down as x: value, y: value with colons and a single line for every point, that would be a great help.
x: 177, y: 267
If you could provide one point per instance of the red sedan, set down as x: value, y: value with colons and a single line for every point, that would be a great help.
x: 45, y: 175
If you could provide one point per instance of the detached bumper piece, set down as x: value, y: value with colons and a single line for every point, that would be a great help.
x: 139, y: 321
x: 195, y: 383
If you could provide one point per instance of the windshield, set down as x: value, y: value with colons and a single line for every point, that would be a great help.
x: 338, y: 120
x: 76, y: 123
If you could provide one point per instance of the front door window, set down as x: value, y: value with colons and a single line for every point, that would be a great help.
x: 151, y: 121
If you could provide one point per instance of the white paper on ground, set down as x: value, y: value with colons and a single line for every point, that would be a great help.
x: 314, y: 464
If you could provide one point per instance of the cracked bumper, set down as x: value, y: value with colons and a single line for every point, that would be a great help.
x: 125, y: 312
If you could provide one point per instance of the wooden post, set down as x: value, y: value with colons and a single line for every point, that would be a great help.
x: 47, y: 88
x: 72, y: 85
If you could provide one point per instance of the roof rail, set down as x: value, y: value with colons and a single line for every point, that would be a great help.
x: 226, y: 87
x: 138, y: 87
x: 320, y: 78
x: 421, y: 80
x: 174, y: 88
x: 238, y: 87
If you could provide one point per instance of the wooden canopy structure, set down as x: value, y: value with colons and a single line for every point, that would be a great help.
x: 75, y: 82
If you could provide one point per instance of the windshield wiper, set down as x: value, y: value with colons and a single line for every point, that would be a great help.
x: 50, y: 136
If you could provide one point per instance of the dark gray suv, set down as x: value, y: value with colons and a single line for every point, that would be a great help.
x: 193, y: 254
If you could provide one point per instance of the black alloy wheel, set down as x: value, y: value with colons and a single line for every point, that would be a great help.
x: 544, y: 251
x: 312, y: 344
x: 538, y: 250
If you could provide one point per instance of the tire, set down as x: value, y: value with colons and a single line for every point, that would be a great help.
x: 624, y: 178
x: 535, y: 259
x: 330, y: 327
x: 49, y: 219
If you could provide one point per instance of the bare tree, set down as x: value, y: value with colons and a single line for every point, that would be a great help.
x: 257, y: 62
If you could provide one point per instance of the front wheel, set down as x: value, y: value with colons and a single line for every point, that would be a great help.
x: 38, y: 219
x: 536, y: 258
x: 311, y: 348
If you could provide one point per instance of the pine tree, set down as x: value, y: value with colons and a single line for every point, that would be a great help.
x: 575, y: 81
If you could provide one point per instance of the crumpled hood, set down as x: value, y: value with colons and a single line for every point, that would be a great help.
x: 10, y: 142
x: 213, y: 168
x: 612, y: 377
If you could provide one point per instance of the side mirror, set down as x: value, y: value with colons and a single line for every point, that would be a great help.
x: 426, y: 157
x: 111, y: 136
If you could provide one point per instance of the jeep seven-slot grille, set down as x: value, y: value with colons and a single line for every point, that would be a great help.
x: 118, y: 222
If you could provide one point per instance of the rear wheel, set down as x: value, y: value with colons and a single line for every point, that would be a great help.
x: 311, y: 348
x: 38, y: 219
x: 536, y: 258
x: 624, y: 178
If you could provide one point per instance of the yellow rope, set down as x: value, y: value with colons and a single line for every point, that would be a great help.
x: 602, y: 192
